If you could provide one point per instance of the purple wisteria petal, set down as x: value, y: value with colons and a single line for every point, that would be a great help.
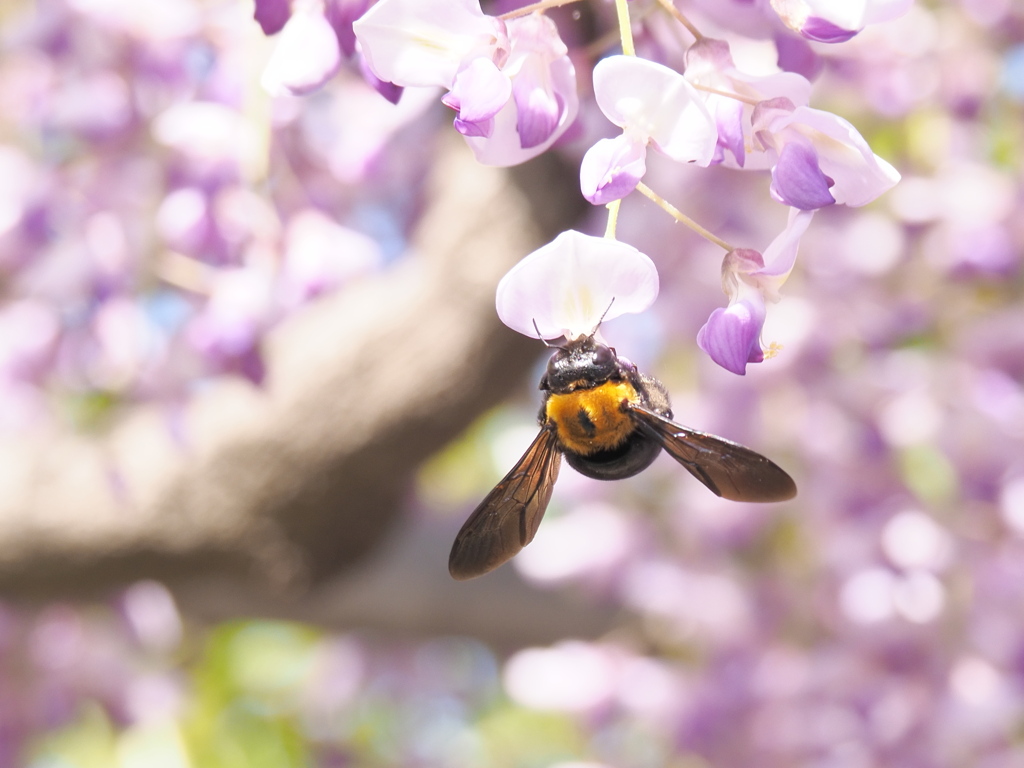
x: 538, y: 54
x: 796, y: 55
x: 728, y: 114
x: 731, y: 336
x: 652, y: 101
x: 475, y: 128
x: 824, y: 31
x: 709, y: 64
x: 780, y: 256
x: 342, y: 14
x: 566, y: 287
x: 612, y: 168
x: 271, y: 15
x: 306, y: 56
x: 836, y: 21
x: 797, y: 179
x: 479, y: 92
x: 537, y: 106
x: 389, y: 91
x: 427, y: 42
x: 843, y: 156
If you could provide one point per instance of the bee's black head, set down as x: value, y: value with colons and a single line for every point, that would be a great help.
x: 580, y: 364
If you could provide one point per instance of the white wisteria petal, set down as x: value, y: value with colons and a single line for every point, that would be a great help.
x: 650, y: 100
x: 425, y: 42
x: 566, y: 288
x: 306, y: 56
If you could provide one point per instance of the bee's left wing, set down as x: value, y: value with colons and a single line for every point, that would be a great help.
x: 729, y: 469
x: 507, y: 518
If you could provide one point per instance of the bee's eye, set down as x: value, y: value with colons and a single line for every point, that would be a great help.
x: 603, y: 356
x: 554, y: 361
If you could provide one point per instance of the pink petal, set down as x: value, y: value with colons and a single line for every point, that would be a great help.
x: 612, y: 168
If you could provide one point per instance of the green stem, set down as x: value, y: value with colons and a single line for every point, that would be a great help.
x: 727, y: 94
x: 625, y: 28
x: 669, y: 6
x: 613, y: 219
x: 681, y: 217
x: 543, y: 5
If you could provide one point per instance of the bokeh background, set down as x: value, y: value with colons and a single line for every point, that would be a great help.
x: 252, y: 384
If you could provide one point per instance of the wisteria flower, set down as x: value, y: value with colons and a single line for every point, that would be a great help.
x: 709, y: 64
x: 732, y: 335
x: 272, y: 15
x: 572, y: 284
x: 836, y: 21
x: 543, y: 101
x: 818, y: 158
x: 306, y: 55
x: 655, y: 106
x: 314, y: 38
x: 342, y: 14
x: 427, y: 42
x: 513, y: 85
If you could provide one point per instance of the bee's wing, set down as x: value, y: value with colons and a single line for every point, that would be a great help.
x: 507, y: 519
x: 727, y: 468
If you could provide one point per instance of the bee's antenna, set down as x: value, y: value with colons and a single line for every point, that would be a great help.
x: 543, y: 340
x: 603, y: 314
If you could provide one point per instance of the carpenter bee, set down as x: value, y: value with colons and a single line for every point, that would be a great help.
x: 610, y: 422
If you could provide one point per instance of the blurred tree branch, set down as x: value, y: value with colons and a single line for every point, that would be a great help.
x: 273, y: 491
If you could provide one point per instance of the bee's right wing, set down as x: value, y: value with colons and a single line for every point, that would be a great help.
x: 729, y: 469
x: 507, y: 519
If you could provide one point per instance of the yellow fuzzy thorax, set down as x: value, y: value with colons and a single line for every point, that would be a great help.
x: 591, y: 420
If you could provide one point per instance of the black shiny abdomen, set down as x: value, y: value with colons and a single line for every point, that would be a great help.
x: 630, y: 458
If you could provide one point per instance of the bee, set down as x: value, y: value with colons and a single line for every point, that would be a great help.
x: 610, y: 422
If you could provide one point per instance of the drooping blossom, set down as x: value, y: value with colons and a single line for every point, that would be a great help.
x: 342, y: 14
x: 655, y: 106
x: 272, y: 15
x: 572, y: 284
x: 513, y: 85
x: 732, y: 335
x: 314, y: 38
x: 543, y: 102
x: 836, y: 21
x: 306, y: 55
x: 818, y: 158
x: 709, y: 64
x: 228, y: 331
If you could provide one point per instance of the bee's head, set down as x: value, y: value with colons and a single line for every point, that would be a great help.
x: 580, y: 364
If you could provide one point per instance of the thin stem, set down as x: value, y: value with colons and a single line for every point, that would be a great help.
x: 669, y: 6
x: 728, y: 94
x: 625, y: 27
x: 681, y: 217
x: 543, y: 5
x: 607, y: 40
x: 613, y: 219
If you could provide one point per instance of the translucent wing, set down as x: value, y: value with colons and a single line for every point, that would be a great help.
x: 507, y: 519
x: 729, y: 469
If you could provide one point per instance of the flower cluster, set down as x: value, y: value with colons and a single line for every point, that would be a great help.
x: 511, y: 83
x: 513, y: 88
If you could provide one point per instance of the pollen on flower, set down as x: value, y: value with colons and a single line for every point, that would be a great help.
x: 772, y: 350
